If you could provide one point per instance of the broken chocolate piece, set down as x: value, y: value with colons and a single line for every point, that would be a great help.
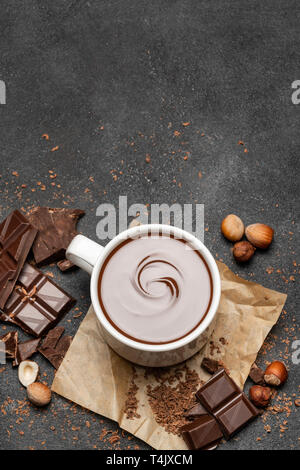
x: 195, y: 412
x: 36, y: 304
x: 204, y: 433
x: 210, y: 365
x: 227, y: 403
x: 16, y: 238
x: 257, y: 375
x: 53, y: 337
x: 55, y: 349
x: 26, y: 350
x: 10, y: 341
x: 65, y: 265
x: 57, y: 228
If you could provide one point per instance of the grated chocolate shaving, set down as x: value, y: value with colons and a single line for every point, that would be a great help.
x: 172, y: 397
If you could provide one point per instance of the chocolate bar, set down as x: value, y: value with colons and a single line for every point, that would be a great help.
x: 16, y: 238
x: 26, y: 350
x: 227, y: 403
x: 203, y: 433
x: 57, y: 228
x: 36, y: 304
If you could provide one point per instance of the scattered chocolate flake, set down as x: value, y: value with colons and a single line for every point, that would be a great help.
x: 256, y: 374
x: 214, y: 348
x: 131, y: 403
x: 210, y: 365
x: 223, y: 341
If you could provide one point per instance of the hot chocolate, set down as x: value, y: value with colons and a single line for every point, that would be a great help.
x: 155, y: 289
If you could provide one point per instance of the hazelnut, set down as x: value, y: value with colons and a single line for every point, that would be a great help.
x: 232, y: 228
x: 276, y: 374
x: 260, y: 235
x: 39, y: 394
x: 243, y: 251
x: 28, y: 372
x: 260, y: 396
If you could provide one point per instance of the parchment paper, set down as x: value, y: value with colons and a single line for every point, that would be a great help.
x: 95, y: 377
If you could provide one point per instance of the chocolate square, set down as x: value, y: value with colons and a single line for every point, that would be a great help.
x: 203, y: 433
x: 235, y: 415
x: 217, y: 391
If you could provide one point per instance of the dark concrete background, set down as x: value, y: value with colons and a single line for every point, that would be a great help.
x: 140, y: 69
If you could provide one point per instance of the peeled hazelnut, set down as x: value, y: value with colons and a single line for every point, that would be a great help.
x: 39, y: 394
x: 260, y: 396
x: 260, y: 235
x: 243, y: 251
x: 28, y: 372
x: 276, y: 374
x: 232, y: 228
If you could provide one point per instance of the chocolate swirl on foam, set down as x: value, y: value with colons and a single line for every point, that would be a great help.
x: 155, y: 290
x: 161, y: 266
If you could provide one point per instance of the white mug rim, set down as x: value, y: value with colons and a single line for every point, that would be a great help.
x: 179, y: 233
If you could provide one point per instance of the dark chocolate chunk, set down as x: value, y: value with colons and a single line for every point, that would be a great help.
x: 10, y: 342
x: 57, y: 228
x: 55, y: 347
x: 16, y: 238
x: 65, y: 265
x: 195, y: 412
x: 257, y: 375
x: 53, y: 337
x: 227, y: 403
x: 26, y: 350
x: 210, y: 365
x: 203, y: 433
x: 36, y: 304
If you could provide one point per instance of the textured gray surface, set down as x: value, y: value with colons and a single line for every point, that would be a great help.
x: 134, y: 67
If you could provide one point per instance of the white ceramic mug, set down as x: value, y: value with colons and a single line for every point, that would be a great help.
x: 90, y: 256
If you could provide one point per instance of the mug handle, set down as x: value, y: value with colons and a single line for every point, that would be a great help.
x: 84, y: 252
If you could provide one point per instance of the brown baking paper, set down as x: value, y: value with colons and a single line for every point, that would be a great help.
x: 95, y: 377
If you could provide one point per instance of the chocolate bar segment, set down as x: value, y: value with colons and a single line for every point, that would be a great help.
x: 195, y: 412
x: 57, y: 228
x: 16, y: 238
x: 227, y: 403
x: 203, y: 433
x: 235, y: 415
x: 218, y: 391
x: 36, y: 304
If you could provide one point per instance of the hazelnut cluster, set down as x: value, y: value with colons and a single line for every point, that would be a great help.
x: 275, y: 375
x: 258, y: 236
